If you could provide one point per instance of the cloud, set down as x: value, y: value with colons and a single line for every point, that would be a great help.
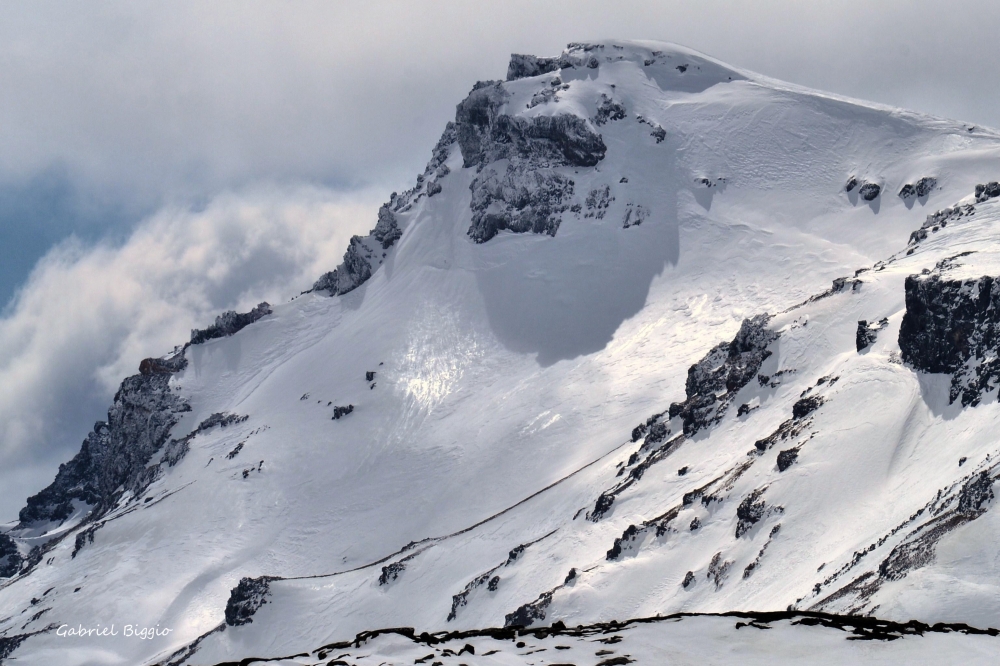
x: 89, y: 313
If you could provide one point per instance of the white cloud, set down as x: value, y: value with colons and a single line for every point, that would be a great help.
x: 88, y: 315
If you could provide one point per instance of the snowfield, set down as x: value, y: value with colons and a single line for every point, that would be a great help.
x: 525, y: 444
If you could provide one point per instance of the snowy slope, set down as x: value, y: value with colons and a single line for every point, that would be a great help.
x: 584, y: 233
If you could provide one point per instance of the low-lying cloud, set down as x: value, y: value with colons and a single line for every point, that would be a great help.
x: 89, y: 313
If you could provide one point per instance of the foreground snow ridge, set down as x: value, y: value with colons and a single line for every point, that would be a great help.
x: 650, y: 337
x: 818, y: 638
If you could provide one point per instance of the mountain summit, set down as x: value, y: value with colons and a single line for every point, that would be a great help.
x: 651, y: 335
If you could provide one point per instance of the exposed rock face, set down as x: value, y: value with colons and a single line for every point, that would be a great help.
x: 952, y: 326
x: 921, y: 188
x: 228, y: 323
x: 486, y: 135
x: 521, y: 199
x: 752, y: 510
x: 987, y: 191
x: 726, y: 369
x: 528, y: 614
x: 526, y: 194
x: 787, y: 458
x: 524, y: 66
x: 114, y: 457
x: 939, y: 220
x: 363, y: 253
x: 869, y: 191
x: 246, y: 599
x: 10, y: 557
x: 868, y: 332
x: 608, y: 110
x: 366, y: 253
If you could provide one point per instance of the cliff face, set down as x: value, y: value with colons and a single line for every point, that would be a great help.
x: 114, y: 458
x: 953, y: 327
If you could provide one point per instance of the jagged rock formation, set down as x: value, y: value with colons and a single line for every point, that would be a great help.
x: 246, y: 599
x: 576, y: 55
x: 952, y: 326
x: 114, y: 457
x: 229, y: 323
x: 987, y: 191
x: 528, y: 194
x: 920, y: 189
x: 713, y: 382
x: 868, y: 332
x: 10, y: 557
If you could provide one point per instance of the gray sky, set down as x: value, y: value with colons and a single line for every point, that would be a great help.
x: 114, y: 114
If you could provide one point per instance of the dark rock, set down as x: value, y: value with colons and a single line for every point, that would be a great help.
x: 852, y: 182
x: 940, y: 219
x: 493, y: 584
x: 953, y: 327
x: 688, y: 579
x: 114, y: 458
x: 370, y: 375
x: 597, y: 202
x: 162, y: 366
x: 988, y: 191
x: 627, y: 537
x: 752, y: 510
x: 608, y: 110
x: 787, y: 458
x: 870, y: 191
x: 246, y: 599
x: 10, y: 557
x: 695, y: 524
x: 339, y: 412
x: 867, y: 333
x: 925, y: 185
x: 718, y: 570
x: 634, y: 216
x: 515, y: 553
x: 806, y: 406
x: 390, y: 572
x: 570, y: 577
x: 486, y: 135
x: 522, y: 199
x: 976, y: 494
x: 713, y: 382
x: 529, y: 613
x: 682, y: 471
x: 227, y: 324
x: 907, y: 191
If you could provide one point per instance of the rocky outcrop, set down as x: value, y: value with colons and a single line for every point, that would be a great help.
x: 987, y: 191
x: 115, y: 456
x: 920, y: 189
x: 608, y: 110
x: 529, y: 613
x: 953, y: 327
x: 577, y: 55
x: 10, y: 557
x: 526, y: 194
x: 486, y: 134
x: 228, y: 323
x: 363, y: 255
x: 713, y: 382
x: 939, y: 220
x: 246, y: 599
x: 867, y: 332
x: 867, y: 190
x: 752, y: 510
x: 366, y: 253
x: 521, y: 199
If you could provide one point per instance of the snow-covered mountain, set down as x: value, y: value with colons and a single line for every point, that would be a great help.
x: 650, y: 335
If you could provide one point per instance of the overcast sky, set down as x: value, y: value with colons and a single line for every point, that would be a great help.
x: 249, y: 130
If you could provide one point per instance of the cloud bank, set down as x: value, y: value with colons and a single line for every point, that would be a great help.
x: 89, y: 313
